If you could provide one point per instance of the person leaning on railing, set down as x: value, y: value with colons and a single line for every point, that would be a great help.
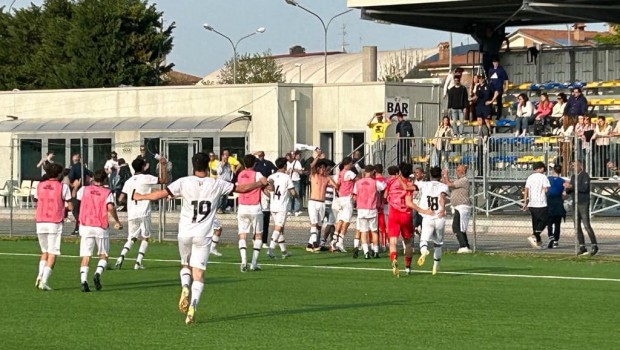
x: 601, y: 149
x: 442, y: 140
x: 614, y: 164
x: 565, y: 134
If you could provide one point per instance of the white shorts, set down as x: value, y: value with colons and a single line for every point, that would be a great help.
x: 194, y: 251
x: 250, y: 223
x: 49, y: 237
x: 139, y: 228
x: 465, y: 214
x: 330, y: 217
x: 367, y: 224
x: 316, y: 211
x: 279, y: 218
x: 345, y: 213
x: 433, y: 230
x: 217, y: 225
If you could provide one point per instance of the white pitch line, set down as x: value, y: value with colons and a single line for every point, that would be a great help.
x: 484, y: 274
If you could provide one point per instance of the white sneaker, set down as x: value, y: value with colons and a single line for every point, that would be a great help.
x: 464, y: 250
x: 297, y: 213
x: 37, y: 282
x: 341, y: 249
x: 533, y: 242
x: 265, y: 246
x: 255, y: 267
x: 286, y: 255
x: 243, y: 268
x: 138, y: 267
x: 407, y: 271
x: 270, y: 254
x: 215, y: 252
x: 45, y: 287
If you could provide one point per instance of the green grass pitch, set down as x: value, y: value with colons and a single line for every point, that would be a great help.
x: 316, y: 301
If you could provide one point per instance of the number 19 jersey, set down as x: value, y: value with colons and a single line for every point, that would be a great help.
x: 200, y: 198
x: 280, y: 197
x: 430, y: 192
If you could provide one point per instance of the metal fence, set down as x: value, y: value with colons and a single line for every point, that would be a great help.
x: 497, y: 170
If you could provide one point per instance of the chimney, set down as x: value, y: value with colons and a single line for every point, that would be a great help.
x: 579, y: 32
x: 444, y: 46
x: 369, y: 63
x: 297, y: 50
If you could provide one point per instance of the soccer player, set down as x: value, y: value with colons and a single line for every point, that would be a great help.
x: 365, y: 193
x: 250, y: 214
x: 200, y: 195
x: 329, y: 220
x: 139, y: 213
x: 535, y: 198
x: 217, y: 233
x: 381, y: 239
x: 346, y: 181
x: 319, y: 180
x: 282, y: 190
x: 52, y: 195
x: 96, y: 203
x: 432, y: 197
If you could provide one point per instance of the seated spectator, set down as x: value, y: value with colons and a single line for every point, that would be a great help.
x: 525, y: 114
x: 577, y: 104
x: 560, y: 106
x: 542, y: 114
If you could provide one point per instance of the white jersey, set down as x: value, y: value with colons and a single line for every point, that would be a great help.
x: 280, y: 197
x: 430, y: 193
x: 200, y: 198
x: 139, y: 183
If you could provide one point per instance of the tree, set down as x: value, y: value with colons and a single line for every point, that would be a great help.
x: 84, y: 44
x: 612, y: 38
x: 253, y: 69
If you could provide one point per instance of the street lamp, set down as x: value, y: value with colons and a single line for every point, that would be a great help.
x: 325, y: 28
x: 298, y: 65
x: 234, y: 45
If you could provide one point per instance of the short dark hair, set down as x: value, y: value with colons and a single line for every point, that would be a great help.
x: 121, y: 161
x: 369, y: 168
x: 392, y: 170
x: 562, y: 96
x: 557, y: 168
x: 281, y: 163
x: 345, y: 161
x: 435, y: 172
x: 200, y: 161
x: 399, y: 114
x: 406, y: 169
x: 53, y: 171
x: 138, y: 164
x: 100, y: 176
x: 249, y: 160
x: 495, y: 59
x: 379, y: 168
x: 539, y: 165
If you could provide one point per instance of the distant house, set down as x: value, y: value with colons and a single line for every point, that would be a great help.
x: 175, y: 78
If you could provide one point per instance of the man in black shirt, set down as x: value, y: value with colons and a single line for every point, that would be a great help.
x: 266, y: 168
x: 583, y: 208
x: 457, y: 104
x: 77, y: 180
x: 404, y: 131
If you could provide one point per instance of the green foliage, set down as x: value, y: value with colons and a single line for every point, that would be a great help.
x: 609, y: 39
x: 83, y: 44
x: 253, y: 69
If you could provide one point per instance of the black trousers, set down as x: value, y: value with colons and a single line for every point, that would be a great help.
x: 553, y: 227
x: 404, y: 151
x: 266, y: 218
x: 583, y: 215
x: 76, y: 211
x: 539, y: 221
x: 456, y: 228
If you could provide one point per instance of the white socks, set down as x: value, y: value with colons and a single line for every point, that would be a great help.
x: 197, y: 288
x: 313, y: 235
x: 282, y: 243
x: 186, y: 276
x: 257, y: 245
x: 275, y: 236
x: 83, y: 274
x: 215, y: 241
x: 101, y: 265
x: 356, y: 243
x: 47, y: 271
x: 41, y: 268
x: 365, y: 248
x: 242, y: 248
x: 141, y: 252
x: 436, y: 257
x: 127, y: 247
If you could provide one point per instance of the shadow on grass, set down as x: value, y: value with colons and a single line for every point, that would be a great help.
x: 308, y: 309
x: 491, y: 269
x: 151, y: 284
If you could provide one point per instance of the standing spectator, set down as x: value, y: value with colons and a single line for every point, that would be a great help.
x: 601, y: 151
x: 225, y: 172
x: 111, y: 168
x: 377, y: 135
x: 358, y: 163
x: 461, y: 206
x: 404, y: 131
x: 485, y: 96
x: 535, y: 198
x: 294, y: 169
x: 615, y: 163
x: 457, y: 105
x: 473, y: 97
x: 48, y: 159
x: 577, y: 105
x: 498, y: 79
x: 451, y: 80
x: 77, y: 179
x: 565, y: 134
x: 525, y: 114
x: 442, y: 143
x: 555, y: 205
x: 585, y: 131
x: 213, y: 163
x: 484, y: 132
x: 582, y: 182
x: 124, y: 173
x: 266, y: 168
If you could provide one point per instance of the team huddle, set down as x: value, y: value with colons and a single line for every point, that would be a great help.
x: 395, y: 200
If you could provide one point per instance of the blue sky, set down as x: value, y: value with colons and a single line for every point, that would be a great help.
x: 198, y: 52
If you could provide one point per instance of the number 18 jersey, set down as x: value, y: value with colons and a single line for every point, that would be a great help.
x: 280, y: 196
x: 430, y: 192
x: 200, y: 198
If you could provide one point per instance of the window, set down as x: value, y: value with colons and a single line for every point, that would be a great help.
x: 58, y: 146
x: 101, y: 149
x: 151, y: 145
x: 30, y: 153
x: 207, y: 144
x: 351, y: 141
x: 81, y: 149
x: 236, y: 146
x: 327, y: 144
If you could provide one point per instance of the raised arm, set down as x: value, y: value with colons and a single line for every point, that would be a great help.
x: 163, y: 171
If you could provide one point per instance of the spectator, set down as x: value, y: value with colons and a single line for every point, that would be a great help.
x: 475, y: 84
x: 484, y: 132
x: 124, y: 173
x: 535, y: 198
x: 404, y: 132
x: 294, y: 168
x: 142, y: 152
x: 457, y: 105
x: 601, y: 150
x: 555, y: 206
x: 213, y: 163
x: 560, y: 106
x: 485, y: 96
x: 77, y: 179
x: 565, y: 134
x: 585, y: 130
x: 358, y: 163
x: 265, y: 168
x: 613, y: 165
x: 543, y: 112
x: 111, y: 168
x: 525, y: 114
x: 377, y: 135
x: 451, y: 80
x: 168, y: 170
x: 442, y: 140
x: 461, y: 206
x: 48, y: 159
x: 577, y: 105
x: 498, y: 79
x: 582, y: 200
x: 225, y: 172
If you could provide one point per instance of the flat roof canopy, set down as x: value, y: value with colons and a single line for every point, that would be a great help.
x: 465, y: 16
x: 199, y: 123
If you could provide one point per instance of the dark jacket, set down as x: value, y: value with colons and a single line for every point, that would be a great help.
x: 583, y: 188
x: 576, y: 106
x: 457, y: 97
